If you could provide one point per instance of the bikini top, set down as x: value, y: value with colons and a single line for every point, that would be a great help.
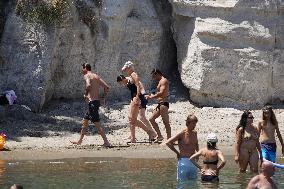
x: 211, y: 162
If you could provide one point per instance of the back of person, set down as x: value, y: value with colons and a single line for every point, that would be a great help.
x: 210, y: 160
x: 94, y: 92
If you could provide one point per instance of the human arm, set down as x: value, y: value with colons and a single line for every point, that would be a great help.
x: 162, y: 90
x: 223, y: 161
x: 105, y: 86
x: 170, y: 143
x: 196, y: 156
x: 136, y: 81
x: 280, y: 138
x: 259, y: 151
x: 88, y: 86
x: 238, y: 144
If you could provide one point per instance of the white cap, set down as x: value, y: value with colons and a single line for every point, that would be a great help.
x: 212, y: 137
x: 127, y: 64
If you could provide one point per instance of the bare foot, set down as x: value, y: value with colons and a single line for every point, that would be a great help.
x: 159, y: 139
x: 74, y: 142
x: 132, y: 141
x: 107, y: 145
x: 152, y: 136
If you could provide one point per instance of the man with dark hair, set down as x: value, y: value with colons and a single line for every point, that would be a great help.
x: 163, y: 104
x: 91, y: 95
x: 264, y: 179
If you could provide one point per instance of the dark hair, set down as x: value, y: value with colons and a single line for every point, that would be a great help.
x: 273, y: 119
x: 211, y: 145
x: 120, y: 78
x: 156, y: 71
x: 86, y: 66
x: 16, y: 186
x: 243, y: 121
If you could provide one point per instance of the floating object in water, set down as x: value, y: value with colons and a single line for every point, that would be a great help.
x: 279, y: 166
x: 2, y: 141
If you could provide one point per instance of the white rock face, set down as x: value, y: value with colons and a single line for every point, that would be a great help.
x: 41, y: 63
x: 230, y: 53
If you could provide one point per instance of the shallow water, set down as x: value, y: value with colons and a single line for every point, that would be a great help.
x: 89, y: 173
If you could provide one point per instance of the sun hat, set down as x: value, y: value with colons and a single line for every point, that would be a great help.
x: 212, y: 137
x: 127, y: 64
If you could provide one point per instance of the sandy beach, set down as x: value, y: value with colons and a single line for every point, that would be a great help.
x: 47, y: 135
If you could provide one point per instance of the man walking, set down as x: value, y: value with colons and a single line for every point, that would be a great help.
x: 91, y: 95
x: 163, y: 104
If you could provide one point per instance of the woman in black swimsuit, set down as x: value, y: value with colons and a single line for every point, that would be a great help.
x: 210, y: 169
x: 128, y: 82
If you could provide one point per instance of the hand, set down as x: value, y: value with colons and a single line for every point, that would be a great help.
x: 237, y: 158
x: 86, y: 98
x: 202, y: 171
x: 136, y: 101
x: 148, y: 97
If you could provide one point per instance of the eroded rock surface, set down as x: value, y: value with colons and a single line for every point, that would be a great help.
x: 230, y: 52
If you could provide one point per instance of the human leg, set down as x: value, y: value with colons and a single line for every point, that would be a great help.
x: 132, y: 118
x: 253, y: 161
x: 85, y: 124
x: 102, y: 133
x: 145, y: 121
x: 165, y: 117
x: 243, y: 160
x: 155, y: 115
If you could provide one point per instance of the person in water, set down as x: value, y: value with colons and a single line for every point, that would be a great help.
x: 211, y: 156
x: 188, y: 145
x: 263, y: 180
x: 163, y: 105
x: 129, y: 83
x: 247, y: 149
x: 267, y: 128
x: 91, y: 95
x: 137, y: 101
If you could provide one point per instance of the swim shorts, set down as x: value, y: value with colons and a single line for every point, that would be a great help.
x: 186, y: 169
x: 162, y: 104
x: 93, y: 113
x: 209, y: 178
x: 268, y: 151
x: 143, y: 100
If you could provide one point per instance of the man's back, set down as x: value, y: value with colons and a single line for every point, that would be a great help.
x: 94, y: 81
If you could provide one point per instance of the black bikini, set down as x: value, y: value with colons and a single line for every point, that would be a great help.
x: 211, y: 162
x: 210, y: 178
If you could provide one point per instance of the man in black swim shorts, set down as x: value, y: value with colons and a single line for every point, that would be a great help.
x: 93, y: 84
x: 163, y: 104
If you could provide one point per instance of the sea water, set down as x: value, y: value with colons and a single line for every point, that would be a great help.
x: 87, y: 173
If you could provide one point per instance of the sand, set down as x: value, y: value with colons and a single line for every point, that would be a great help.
x: 47, y: 135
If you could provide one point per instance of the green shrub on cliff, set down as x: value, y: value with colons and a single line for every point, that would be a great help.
x: 41, y: 11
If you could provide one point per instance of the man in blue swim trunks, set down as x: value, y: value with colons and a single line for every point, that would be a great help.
x: 267, y: 128
x: 188, y: 145
x: 93, y: 84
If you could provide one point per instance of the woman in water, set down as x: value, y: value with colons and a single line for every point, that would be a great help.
x: 248, y: 149
x: 212, y: 155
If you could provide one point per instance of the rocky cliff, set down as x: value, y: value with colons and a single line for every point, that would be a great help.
x: 230, y: 52
x: 45, y: 42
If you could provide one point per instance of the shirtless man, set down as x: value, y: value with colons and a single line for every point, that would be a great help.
x: 137, y: 101
x: 188, y: 145
x: 263, y: 180
x: 163, y: 104
x: 91, y: 95
x: 267, y: 128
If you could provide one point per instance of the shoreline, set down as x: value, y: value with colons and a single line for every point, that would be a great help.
x: 47, y: 135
